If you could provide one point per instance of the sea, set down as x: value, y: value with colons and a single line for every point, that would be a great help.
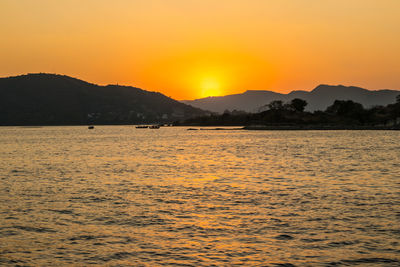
x: 121, y: 196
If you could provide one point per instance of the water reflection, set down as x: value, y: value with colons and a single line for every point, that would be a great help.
x: 122, y: 196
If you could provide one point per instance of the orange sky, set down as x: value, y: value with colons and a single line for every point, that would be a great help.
x: 189, y: 49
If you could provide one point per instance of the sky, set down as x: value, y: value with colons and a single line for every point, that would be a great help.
x: 188, y: 49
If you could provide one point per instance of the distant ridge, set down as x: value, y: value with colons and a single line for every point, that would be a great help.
x: 318, y: 99
x: 52, y: 99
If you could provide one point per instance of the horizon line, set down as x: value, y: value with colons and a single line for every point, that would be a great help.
x: 248, y: 90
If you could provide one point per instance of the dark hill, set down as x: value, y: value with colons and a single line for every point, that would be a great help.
x: 50, y: 99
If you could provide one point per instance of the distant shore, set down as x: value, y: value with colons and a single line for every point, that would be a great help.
x: 320, y: 127
x: 293, y: 128
x: 238, y: 127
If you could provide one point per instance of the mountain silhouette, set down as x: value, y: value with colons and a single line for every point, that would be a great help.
x: 51, y: 99
x: 318, y: 99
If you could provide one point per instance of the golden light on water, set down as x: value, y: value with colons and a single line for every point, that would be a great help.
x: 205, y: 198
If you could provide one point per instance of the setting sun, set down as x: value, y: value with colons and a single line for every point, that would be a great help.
x: 193, y: 49
x: 210, y: 86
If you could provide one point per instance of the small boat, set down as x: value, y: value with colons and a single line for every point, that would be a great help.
x: 90, y: 127
x: 142, y: 127
x: 154, y: 127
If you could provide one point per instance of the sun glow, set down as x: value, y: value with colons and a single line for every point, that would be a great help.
x: 192, y: 49
x: 210, y: 86
x: 210, y: 79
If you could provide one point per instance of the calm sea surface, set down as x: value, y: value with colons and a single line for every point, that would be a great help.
x: 121, y: 196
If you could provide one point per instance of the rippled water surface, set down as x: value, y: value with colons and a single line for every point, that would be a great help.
x: 121, y: 196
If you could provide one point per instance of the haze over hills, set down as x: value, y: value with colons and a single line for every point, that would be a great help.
x: 50, y: 99
x: 318, y: 99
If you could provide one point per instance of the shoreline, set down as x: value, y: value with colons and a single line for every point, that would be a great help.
x: 297, y: 128
x: 248, y: 128
x: 320, y: 127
